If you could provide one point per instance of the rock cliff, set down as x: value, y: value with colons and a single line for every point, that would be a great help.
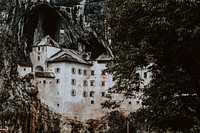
x: 23, y: 23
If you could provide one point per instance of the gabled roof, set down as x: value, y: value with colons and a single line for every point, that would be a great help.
x: 68, y: 55
x: 47, y: 41
x: 24, y: 64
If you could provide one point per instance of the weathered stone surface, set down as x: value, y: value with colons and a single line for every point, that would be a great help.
x: 20, y: 109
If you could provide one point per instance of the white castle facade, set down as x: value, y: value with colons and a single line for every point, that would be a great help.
x: 72, y: 84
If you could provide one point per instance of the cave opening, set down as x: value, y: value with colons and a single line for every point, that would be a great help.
x: 49, y: 20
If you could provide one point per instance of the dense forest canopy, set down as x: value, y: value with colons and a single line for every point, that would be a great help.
x: 167, y: 34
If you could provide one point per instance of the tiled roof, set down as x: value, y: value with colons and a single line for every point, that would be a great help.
x: 68, y: 55
x: 45, y: 74
x: 47, y: 41
x: 24, y: 64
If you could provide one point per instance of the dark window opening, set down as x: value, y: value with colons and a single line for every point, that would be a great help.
x: 57, y: 70
x: 85, y: 72
x: 145, y: 74
x: 39, y: 69
x: 57, y: 80
x: 79, y: 71
x: 92, y: 72
x: 73, y: 81
x: 92, y: 101
x: 91, y: 93
x: 103, y: 72
x: 103, y: 94
x: 85, y: 94
x: 73, y: 71
x: 92, y: 83
x: 73, y: 93
x: 103, y: 83
x: 85, y: 83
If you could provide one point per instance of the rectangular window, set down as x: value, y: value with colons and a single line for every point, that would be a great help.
x: 103, y: 72
x: 73, y: 93
x: 79, y: 71
x: 103, y: 94
x: 91, y: 93
x: 24, y: 69
x: 92, y: 101
x: 73, y: 81
x: 57, y: 80
x: 85, y: 72
x: 145, y: 75
x: 44, y: 81
x: 57, y: 70
x: 73, y: 71
x: 85, y: 83
x: 38, y: 57
x: 92, y: 83
x: 92, y: 72
x: 108, y: 96
x: 38, y: 48
x: 85, y: 94
x: 103, y: 83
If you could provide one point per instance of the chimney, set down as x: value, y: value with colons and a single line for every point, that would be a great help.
x: 48, y: 40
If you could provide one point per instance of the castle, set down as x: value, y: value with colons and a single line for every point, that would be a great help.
x: 71, y: 82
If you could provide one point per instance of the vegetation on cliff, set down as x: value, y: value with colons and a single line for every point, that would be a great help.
x: 20, y: 110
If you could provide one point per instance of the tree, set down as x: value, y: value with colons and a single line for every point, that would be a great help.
x: 167, y: 34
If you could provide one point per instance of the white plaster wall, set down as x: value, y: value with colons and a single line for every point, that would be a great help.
x: 58, y: 95
x: 44, y: 53
x: 76, y: 106
x: 48, y: 92
x: 23, y: 70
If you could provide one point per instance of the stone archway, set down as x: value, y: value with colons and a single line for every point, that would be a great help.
x: 39, y: 69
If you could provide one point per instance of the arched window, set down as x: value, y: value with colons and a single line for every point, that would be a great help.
x: 39, y: 69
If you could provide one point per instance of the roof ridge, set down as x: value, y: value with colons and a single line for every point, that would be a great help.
x: 56, y: 53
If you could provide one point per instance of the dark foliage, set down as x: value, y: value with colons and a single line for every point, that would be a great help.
x: 167, y: 34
